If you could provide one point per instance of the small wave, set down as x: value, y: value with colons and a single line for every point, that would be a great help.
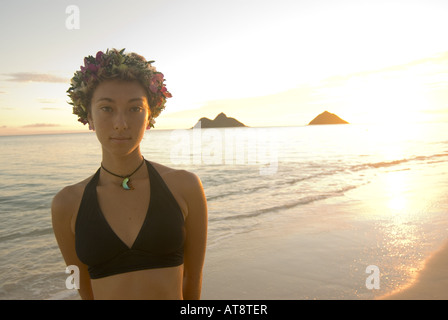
x: 33, y: 233
x: 237, y: 192
x: 268, y: 186
x: 385, y: 164
x: 328, y: 172
x: 299, y: 202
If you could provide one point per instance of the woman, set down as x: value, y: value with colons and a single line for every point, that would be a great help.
x: 135, y: 229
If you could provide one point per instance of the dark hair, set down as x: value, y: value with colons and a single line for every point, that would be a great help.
x: 116, y: 65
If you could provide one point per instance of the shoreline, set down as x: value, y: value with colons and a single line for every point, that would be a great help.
x: 431, y: 282
x: 321, y: 250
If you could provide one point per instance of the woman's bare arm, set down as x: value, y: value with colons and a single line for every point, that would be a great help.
x: 196, y: 237
x: 65, y: 204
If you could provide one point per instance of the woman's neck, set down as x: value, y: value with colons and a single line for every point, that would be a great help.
x: 122, y: 165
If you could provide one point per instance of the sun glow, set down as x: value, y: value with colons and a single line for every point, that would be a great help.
x: 397, y: 203
x: 397, y: 185
x: 397, y: 100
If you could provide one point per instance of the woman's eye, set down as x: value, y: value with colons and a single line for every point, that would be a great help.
x: 136, y: 109
x: 106, y: 109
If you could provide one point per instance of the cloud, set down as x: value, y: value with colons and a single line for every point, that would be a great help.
x: 51, y: 108
x: 44, y: 100
x: 35, y: 77
x: 47, y: 102
x: 40, y: 125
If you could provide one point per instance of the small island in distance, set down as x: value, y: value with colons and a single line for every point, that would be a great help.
x: 221, y: 121
x: 327, y: 118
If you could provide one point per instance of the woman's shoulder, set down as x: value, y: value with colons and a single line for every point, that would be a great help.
x: 179, y: 181
x: 181, y: 175
x: 68, y: 199
x: 186, y: 188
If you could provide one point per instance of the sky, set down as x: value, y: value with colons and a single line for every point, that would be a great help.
x: 265, y: 63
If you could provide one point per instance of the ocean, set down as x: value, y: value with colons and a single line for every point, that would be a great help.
x: 253, y: 178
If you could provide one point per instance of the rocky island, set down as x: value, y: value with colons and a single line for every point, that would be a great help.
x: 221, y: 121
x: 327, y: 118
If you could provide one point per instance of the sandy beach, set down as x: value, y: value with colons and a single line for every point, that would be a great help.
x: 431, y: 283
x: 323, y: 253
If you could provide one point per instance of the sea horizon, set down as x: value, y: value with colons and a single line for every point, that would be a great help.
x: 375, y: 124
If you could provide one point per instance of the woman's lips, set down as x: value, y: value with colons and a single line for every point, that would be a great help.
x: 120, y: 139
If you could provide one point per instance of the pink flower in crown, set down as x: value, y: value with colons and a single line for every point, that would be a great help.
x: 153, y: 88
x: 99, y: 55
x: 155, y: 81
x: 83, y: 69
x: 89, y: 66
x: 94, y: 68
x: 165, y: 92
x: 158, y: 77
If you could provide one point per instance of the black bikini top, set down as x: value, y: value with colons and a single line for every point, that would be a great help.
x: 159, y: 244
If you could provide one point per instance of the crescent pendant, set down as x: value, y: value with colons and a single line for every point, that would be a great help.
x: 126, y: 184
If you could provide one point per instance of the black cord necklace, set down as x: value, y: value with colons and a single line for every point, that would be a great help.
x: 126, y: 183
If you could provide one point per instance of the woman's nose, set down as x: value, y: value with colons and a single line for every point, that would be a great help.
x: 120, y: 122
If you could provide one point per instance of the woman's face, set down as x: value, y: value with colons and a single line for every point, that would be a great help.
x: 119, y: 114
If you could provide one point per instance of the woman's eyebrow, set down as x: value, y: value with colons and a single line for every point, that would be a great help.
x: 112, y: 100
x: 104, y: 99
x: 135, y: 99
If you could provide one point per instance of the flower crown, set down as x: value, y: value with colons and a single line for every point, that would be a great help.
x: 116, y: 64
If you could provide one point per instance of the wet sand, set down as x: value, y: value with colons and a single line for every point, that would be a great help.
x: 431, y: 282
x: 321, y: 250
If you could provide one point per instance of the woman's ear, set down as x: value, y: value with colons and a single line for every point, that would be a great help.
x: 149, y: 122
x: 90, y: 121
